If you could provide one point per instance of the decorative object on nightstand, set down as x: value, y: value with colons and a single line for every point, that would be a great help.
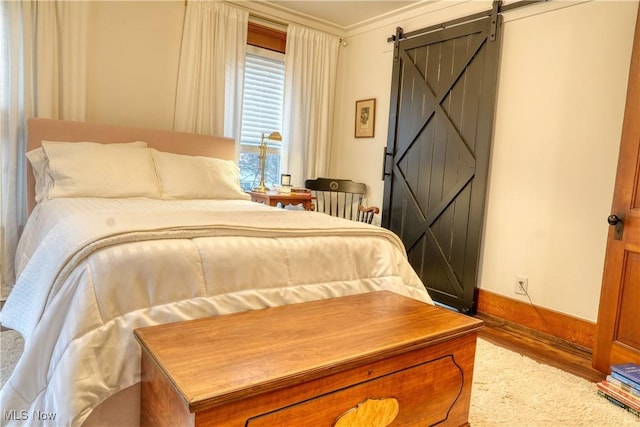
x: 285, y: 184
x: 273, y: 136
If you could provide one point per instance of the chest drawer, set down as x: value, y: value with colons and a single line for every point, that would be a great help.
x: 418, y: 395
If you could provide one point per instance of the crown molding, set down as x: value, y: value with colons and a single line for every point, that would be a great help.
x: 419, y: 8
x: 424, y: 11
x: 281, y: 15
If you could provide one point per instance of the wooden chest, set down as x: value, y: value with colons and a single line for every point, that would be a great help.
x: 332, y: 362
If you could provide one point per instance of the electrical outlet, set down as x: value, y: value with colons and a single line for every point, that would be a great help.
x: 521, y: 285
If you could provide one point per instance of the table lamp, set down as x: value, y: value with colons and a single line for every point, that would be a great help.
x: 273, y: 136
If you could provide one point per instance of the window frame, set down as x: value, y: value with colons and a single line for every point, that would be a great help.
x: 249, y: 142
x: 268, y: 40
x: 266, y: 37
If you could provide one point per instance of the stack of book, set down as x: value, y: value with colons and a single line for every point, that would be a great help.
x: 298, y: 190
x: 622, y: 387
x: 288, y: 189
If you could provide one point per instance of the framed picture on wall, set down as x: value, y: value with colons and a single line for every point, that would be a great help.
x: 365, y: 118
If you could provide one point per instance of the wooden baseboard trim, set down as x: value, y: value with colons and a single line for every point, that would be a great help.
x: 568, y: 328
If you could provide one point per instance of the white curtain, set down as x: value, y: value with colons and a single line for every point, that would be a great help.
x: 12, y: 99
x: 311, y: 64
x: 60, y: 59
x: 211, y: 69
x: 42, y: 74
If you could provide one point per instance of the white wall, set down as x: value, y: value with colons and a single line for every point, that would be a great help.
x: 562, y: 87
x: 557, y: 159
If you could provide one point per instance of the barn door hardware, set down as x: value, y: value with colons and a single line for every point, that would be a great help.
x: 496, y: 8
x: 494, y: 20
x: 396, y: 47
x: 386, y: 158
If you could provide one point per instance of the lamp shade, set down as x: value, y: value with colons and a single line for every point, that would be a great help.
x: 274, y: 136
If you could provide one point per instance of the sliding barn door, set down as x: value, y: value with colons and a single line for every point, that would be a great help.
x: 435, y: 172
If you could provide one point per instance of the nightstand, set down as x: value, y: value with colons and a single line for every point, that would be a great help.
x: 273, y: 198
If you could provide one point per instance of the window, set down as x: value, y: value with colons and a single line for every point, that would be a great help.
x: 263, y: 102
x: 262, y: 107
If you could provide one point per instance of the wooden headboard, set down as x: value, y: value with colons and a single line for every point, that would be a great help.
x: 162, y: 140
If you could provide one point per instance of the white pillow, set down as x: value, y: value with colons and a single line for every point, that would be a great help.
x: 196, y: 177
x: 38, y: 161
x: 40, y: 167
x: 90, y: 169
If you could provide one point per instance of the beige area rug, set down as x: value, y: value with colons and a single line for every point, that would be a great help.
x: 513, y: 390
x: 11, y: 345
x: 508, y: 390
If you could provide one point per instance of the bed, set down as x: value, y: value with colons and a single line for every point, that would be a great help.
x: 144, y: 243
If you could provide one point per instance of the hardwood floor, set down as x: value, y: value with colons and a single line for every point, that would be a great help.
x: 540, y: 347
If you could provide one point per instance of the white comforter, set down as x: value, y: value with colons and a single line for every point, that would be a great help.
x: 93, y: 270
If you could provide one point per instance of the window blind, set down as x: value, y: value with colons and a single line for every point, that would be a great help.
x: 263, y: 98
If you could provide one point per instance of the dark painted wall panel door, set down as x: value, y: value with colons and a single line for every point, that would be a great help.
x: 441, y: 119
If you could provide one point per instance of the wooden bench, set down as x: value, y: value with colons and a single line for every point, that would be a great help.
x: 333, y: 362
